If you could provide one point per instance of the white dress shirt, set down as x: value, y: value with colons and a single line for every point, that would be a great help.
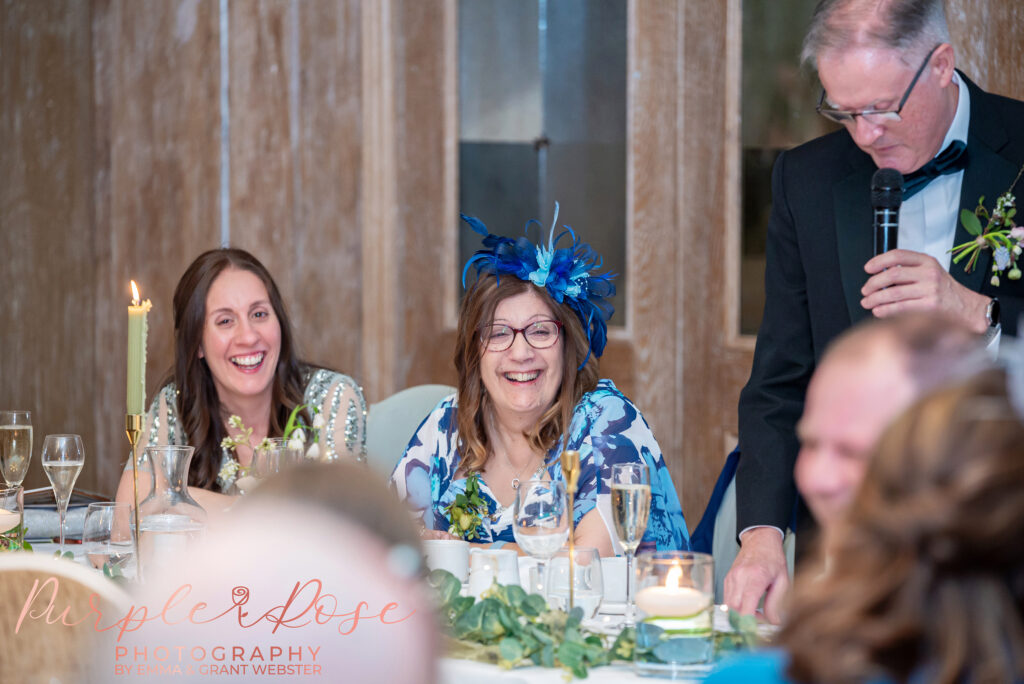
x: 928, y: 220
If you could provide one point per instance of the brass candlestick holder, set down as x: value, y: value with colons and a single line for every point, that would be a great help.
x: 571, y: 472
x: 133, y: 428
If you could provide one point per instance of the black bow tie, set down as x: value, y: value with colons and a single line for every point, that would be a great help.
x: 950, y: 160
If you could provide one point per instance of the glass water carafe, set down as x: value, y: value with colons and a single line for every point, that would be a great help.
x: 170, y: 520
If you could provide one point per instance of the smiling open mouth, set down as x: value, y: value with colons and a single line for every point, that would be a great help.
x: 522, y: 377
x: 250, y: 361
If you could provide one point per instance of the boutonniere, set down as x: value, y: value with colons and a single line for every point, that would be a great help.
x: 999, y: 233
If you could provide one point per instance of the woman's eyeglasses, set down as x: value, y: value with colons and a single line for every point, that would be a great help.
x: 539, y: 335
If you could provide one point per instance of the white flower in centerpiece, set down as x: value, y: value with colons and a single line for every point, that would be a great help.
x: 313, y: 452
x: 319, y: 421
x: 296, y: 441
x: 228, y: 470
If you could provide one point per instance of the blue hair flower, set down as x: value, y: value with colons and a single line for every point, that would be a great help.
x: 569, y: 274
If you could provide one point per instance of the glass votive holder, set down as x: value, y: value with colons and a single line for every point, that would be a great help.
x: 12, y: 513
x: 675, y: 598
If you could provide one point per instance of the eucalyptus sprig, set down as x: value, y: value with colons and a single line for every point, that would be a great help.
x: 509, y: 628
x: 1000, y: 234
x: 465, y: 513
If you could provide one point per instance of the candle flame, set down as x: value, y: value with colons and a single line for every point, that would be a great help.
x: 135, y: 294
x: 674, y: 575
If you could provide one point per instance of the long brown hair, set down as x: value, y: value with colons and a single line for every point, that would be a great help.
x: 925, y: 578
x: 198, y: 404
x: 475, y: 407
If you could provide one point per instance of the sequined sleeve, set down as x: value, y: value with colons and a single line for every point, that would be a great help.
x: 343, y: 409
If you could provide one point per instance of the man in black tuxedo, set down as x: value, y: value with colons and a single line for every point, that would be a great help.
x: 888, y: 73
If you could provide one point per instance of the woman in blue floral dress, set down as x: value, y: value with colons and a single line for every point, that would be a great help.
x: 531, y: 329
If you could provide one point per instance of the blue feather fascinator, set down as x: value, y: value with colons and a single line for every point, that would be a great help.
x: 569, y: 274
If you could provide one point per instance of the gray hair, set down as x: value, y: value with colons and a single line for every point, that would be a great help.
x: 908, y: 26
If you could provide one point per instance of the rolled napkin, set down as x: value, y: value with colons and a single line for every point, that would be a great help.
x: 44, y: 523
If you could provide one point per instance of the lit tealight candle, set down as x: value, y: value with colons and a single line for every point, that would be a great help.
x: 137, y: 313
x: 9, y: 520
x: 672, y: 600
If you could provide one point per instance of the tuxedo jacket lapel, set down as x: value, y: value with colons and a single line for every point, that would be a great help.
x: 855, y: 238
x: 987, y: 174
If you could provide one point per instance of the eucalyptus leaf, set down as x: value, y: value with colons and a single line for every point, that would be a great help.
x: 512, y: 650
x: 970, y: 222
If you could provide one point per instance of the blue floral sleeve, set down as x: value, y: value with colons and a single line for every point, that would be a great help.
x: 425, y: 477
x: 607, y: 428
x: 425, y: 469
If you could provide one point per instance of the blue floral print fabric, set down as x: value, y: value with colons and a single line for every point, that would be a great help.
x: 606, y: 429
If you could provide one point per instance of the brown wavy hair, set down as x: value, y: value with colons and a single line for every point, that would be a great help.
x: 199, y: 407
x: 475, y: 407
x: 926, y: 576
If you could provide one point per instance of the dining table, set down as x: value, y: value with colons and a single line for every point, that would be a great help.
x: 456, y: 671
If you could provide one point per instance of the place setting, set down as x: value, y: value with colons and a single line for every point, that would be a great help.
x: 651, y: 613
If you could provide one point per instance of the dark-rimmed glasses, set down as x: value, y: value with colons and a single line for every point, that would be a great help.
x: 539, y: 335
x: 874, y: 116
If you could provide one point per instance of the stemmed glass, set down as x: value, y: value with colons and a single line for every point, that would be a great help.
x: 631, y: 504
x: 586, y: 580
x: 15, y: 446
x: 107, y: 536
x: 541, y: 522
x: 63, y: 458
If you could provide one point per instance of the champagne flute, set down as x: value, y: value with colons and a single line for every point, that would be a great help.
x: 63, y: 458
x: 15, y: 446
x: 631, y: 504
x: 541, y: 522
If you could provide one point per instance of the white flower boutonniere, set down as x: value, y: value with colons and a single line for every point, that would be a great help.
x: 1000, y: 234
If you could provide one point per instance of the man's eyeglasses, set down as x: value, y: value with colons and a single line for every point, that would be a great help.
x: 539, y: 335
x: 875, y: 116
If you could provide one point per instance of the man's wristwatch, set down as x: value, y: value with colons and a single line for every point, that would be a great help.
x: 992, y: 313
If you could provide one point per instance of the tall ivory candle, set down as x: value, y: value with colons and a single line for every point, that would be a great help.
x: 137, y: 313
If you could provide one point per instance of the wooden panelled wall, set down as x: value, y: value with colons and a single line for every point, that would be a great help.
x: 341, y: 178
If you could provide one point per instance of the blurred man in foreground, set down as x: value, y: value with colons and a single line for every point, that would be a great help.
x: 866, y: 379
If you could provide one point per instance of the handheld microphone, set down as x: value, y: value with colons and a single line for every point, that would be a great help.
x: 886, y: 197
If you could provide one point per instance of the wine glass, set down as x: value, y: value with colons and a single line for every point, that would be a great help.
x: 631, y: 504
x: 15, y: 446
x: 541, y: 522
x: 587, y: 581
x: 63, y: 458
x: 107, y: 536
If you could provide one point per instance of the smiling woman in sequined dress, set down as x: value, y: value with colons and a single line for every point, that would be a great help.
x: 235, y: 355
x: 530, y: 331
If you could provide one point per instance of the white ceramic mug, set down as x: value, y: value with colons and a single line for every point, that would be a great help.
x: 488, y: 565
x: 448, y: 554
